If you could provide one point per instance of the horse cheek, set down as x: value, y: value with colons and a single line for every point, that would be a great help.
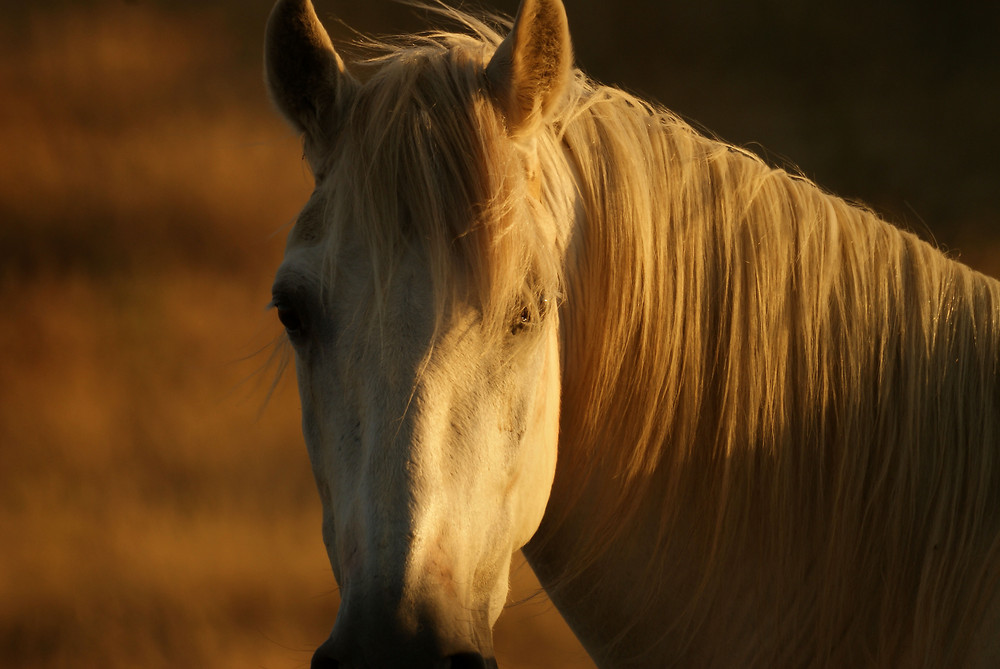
x: 537, y: 452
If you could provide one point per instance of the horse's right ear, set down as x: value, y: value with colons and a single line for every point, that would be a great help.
x: 305, y: 76
x: 532, y: 67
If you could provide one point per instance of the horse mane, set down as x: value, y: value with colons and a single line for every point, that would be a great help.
x: 798, y: 376
x: 785, y: 378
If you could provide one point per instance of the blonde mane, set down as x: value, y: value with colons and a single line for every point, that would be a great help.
x: 798, y: 396
x: 793, y: 382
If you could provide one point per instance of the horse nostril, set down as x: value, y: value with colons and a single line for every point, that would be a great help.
x: 470, y: 661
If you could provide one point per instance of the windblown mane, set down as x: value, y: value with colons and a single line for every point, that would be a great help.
x: 793, y: 382
x: 801, y: 392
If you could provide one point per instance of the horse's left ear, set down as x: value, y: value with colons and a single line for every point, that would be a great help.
x: 532, y: 67
x: 305, y: 76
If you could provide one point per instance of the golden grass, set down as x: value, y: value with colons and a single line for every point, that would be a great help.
x: 155, y: 511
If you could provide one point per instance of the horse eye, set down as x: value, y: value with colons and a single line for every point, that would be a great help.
x: 521, y: 321
x: 290, y: 319
x: 526, y: 317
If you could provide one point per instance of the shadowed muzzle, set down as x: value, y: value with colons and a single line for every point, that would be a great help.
x: 406, y: 599
x: 325, y: 658
x: 395, y: 644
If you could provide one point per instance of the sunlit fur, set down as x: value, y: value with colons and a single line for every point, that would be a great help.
x: 780, y: 415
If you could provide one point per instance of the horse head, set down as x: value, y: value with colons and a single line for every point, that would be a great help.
x: 418, y: 291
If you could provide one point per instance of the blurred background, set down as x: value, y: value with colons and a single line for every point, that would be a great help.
x: 155, y: 508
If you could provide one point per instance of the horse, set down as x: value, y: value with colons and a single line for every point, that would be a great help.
x: 730, y: 419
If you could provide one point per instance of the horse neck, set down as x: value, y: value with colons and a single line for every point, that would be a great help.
x: 691, y: 380
x: 624, y: 370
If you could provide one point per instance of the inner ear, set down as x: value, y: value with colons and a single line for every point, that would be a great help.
x: 532, y: 67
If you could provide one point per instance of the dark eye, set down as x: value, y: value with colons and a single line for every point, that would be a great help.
x: 521, y: 321
x: 290, y: 319
x: 527, y: 316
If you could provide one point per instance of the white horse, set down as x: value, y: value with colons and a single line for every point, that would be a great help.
x: 733, y: 421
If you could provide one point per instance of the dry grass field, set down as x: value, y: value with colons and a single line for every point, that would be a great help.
x: 155, y: 509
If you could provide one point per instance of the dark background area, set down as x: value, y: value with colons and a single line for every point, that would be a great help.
x: 156, y: 508
x: 894, y: 105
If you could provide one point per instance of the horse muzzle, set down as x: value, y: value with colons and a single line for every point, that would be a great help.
x: 374, y: 633
x: 334, y: 655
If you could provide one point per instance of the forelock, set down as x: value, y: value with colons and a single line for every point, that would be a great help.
x: 424, y: 158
